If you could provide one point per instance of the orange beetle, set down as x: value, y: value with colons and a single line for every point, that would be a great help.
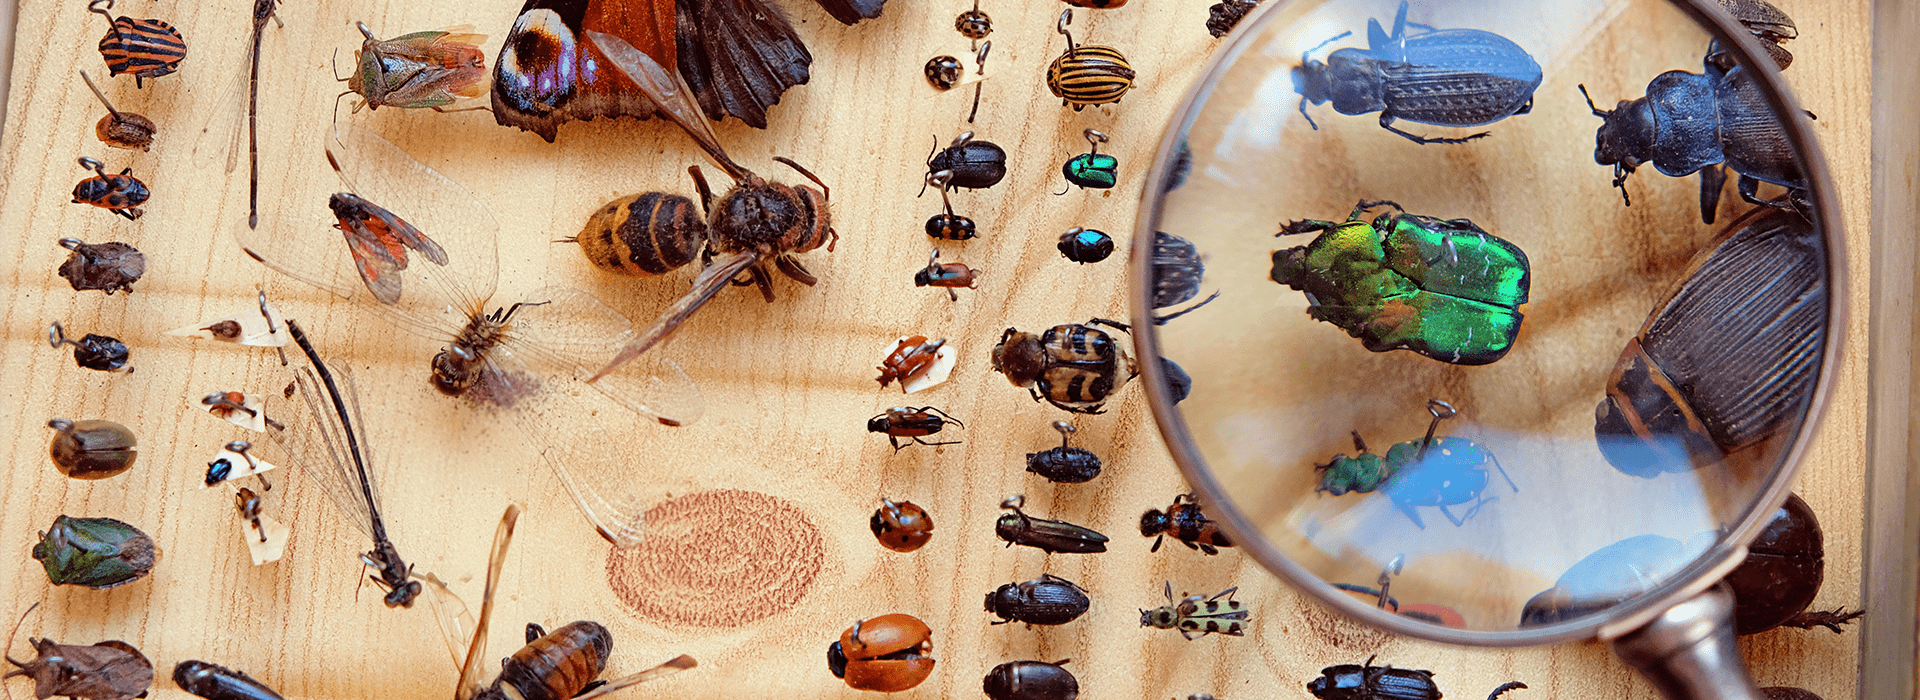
x: 886, y: 654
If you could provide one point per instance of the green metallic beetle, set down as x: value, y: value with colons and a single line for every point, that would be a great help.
x: 94, y: 552
x: 1446, y: 289
x: 1093, y: 168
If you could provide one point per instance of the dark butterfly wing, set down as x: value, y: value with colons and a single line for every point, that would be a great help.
x: 739, y: 56
x: 547, y: 74
x: 851, y: 11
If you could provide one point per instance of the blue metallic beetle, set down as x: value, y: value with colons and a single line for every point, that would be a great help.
x: 1448, y: 77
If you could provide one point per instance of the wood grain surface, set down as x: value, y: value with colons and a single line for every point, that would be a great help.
x: 776, y: 482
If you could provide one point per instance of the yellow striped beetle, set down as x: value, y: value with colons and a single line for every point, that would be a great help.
x: 1088, y: 75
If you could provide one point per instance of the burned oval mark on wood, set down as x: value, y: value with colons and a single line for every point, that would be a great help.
x: 718, y: 559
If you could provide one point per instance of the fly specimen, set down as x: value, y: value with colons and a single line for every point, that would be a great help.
x: 525, y: 359
x: 755, y: 222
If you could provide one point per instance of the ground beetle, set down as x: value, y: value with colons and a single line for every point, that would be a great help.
x: 1370, y: 682
x: 1048, y: 600
x: 1031, y: 680
x: 1176, y: 275
x: 1063, y: 464
x: 1767, y: 22
x: 975, y: 164
x: 1446, y: 289
x: 1773, y: 586
x: 1448, y: 77
x: 1053, y: 536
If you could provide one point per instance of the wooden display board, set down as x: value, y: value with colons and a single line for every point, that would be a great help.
x: 765, y: 555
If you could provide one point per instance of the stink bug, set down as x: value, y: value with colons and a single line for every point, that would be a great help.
x: 420, y: 70
x: 121, y: 194
x: 1198, y: 616
x: 147, y: 48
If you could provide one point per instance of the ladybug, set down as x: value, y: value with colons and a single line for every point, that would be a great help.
x: 121, y: 194
x: 943, y: 72
x: 901, y: 527
x: 886, y: 654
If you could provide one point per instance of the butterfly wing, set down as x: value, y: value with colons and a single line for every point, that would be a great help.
x: 546, y: 75
x: 851, y: 11
x: 739, y: 56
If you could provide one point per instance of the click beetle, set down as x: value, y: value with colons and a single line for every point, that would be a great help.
x: 1052, y: 536
x: 1048, y: 600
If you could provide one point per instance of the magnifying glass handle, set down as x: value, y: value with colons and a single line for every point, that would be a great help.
x: 1688, y: 651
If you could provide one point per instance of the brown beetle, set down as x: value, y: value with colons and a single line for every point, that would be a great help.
x: 1186, y: 523
x: 948, y: 275
x: 1075, y: 367
x: 913, y: 358
x: 120, y: 129
x: 92, y: 449
x: 901, y: 527
x: 886, y: 654
x: 912, y: 423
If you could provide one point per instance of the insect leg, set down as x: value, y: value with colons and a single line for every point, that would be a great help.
x: 1386, y: 122
x: 917, y: 439
x: 1504, y: 687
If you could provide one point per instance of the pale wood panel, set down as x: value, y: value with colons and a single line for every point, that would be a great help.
x: 788, y: 383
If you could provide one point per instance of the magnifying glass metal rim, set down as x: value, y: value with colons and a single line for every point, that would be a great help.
x: 1703, y: 572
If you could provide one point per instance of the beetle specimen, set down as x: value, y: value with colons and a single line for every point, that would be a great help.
x: 1085, y: 245
x: 147, y: 48
x: 1721, y: 364
x: 120, y: 129
x: 102, y: 353
x: 215, y: 682
x: 1606, y: 577
x: 98, y: 553
x: 1093, y: 168
x: 236, y: 461
x: 917, y: 362
x: 642, y: 235
x: 422, y: 69
x: 975, y: 164
x: 913, y: 423
x: 901, y: 527
x: 1427, y: 472
x: 1075, y: 367
x: 1051, y: 536
x: 1198, y: 616
x: 1773, y: 586
x: 1446, y: 77
x: 1031, y: 680
x: 1048, y: 600
x: 1695, y: 122
x: 1370, y: 682
x: 944, y: 72
x: 1063, y: 464
x: 886, y: 654
x: 1177, y: 271
x: 109, y: 267
x: 121, y: 194
x: 1766, y: 22
x: 973, y: 24
x: 1186, y: 523
x: 248, y: 503
x: 1446, y: 289
x: 109, y: 670
x: 1087, y: 75
x: 948, y: 226
x: 1179, y: 383
x: 948, y: 275
x: 91, y: 449
x: 238, y: 408
x: 1223, y: 16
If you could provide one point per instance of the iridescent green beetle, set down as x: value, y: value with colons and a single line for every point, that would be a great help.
x: 94, y: 552
x: 1446, y: 289
x: 1093, y: 168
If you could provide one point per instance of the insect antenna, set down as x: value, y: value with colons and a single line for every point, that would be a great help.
x: 10, y: 634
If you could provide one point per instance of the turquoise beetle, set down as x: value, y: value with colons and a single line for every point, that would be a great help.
x: 1446, y: 289
x: 1431, y: 471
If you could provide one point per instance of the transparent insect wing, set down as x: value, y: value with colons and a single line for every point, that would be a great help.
x: 314, y: 439
x: 456, y: 621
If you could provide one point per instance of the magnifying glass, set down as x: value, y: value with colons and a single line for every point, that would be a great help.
x: 1479, y: 369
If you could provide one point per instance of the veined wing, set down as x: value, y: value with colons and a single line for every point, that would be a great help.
x: 571, y: 335
x: 319, y: 443
x: 456, y: 622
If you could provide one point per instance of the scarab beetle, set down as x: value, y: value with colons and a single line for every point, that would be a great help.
x: 642, y: 235
x: 1447, y: 77
x: 1446, y: 289
x: 902, y: 526
x: 1186, y: 523
x: 948, y: 226
x: 1785, y: 563
x: 943, y: 72
x: 121, y: 194
x: 912, y: 423
x: 1031, y: 680
x: 1695, y: 122
x: 1724, y: 362
x: 1177, y: 271
x: 886, y: 654
x: 1085, y: 245
x: 1087, y: 75
x: 1370, y: 682
x: 976, y: 164
x: 1048, y: 600
x: 1093, y: 168
x: 92, y: 449
x: 101, y: 353
x: 1064, y: 464
x: 109, y: 267
x: 1197, y: 616
x: 1075, y: 367
x: 1431, y: 471
x: 1052, y: 536
x: 147, y: 48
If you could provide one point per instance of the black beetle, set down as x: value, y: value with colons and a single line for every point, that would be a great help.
x: 1781, y: 575
x: 1186, y: 523
x: 975, y: 164
x: 218, y: 682
x: 1085, y: 245
x: 1726, y: 361
x: 1448, y: 77
x: 1054, y: 536
x: 1048, y: 600
x: 1694, y: 122
x: 101, y: 353
x: 1179, y: 383
x: 1606, y: 577
x: 1176, y: 275
x: 1031, y: 680
x: 1226, y: 14
x: 947, y: 225
x: 1370, y: 682
x: 1767, y: 22
x: 1063, y: 464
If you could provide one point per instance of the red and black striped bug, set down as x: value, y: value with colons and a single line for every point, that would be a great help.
x: 121, y: 194
x: 147, y: 48
x: 948, y: 275
x: 912, y: 423
x: 1186, y: 523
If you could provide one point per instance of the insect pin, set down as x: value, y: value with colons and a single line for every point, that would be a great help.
x: 1093, y: 169
x: 1051, y: 536
x: 216, y: 682
x: 1087, y: 75
x: 975, y: 163
x: 109, y: 670
x: 109, y: 267
x: 912, y: 423
x: 92, y: 449
x: 120, y: 129
x: 121, y: 194
x: 1064, y: 464
x: 1186, y: 523
x: 147, y: 48
x: 101, y: 353
x: 917, y: 362
x: 948, y: 226
x: 948, y: 275
x: 1198, y: 615
x: 428, y: 70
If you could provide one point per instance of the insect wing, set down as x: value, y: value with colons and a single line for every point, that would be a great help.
x: 672, y: 666
x: 671, y: 96
x: 456, y: 622
x: 320, y: 444
x: 470, y: 670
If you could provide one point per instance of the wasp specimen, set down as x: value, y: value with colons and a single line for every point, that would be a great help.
x: 121, y: 194
x: 109, y: 267
x: 1075, y: 367
x: 1199, y: 614
x: 947, y: 275
x: 1186, y: 523
x: 147, y: 48
x: 120, y: 129
x: 755, y: 222
x: 912, y: 423
x: 109, y: 670
x: 427, y: 70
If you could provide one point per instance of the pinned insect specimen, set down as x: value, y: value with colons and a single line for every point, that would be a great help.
x: 98, y: 553
x: 121, y: 194
x: 109, y: 267
x: 913, y: 423
x: 1092, y: 169
x: 420, y: 70
x: 109, y: 670
x: 101, y: 353
x: 120, y: 129
x: 1351, y: 682
x: 886, y: 654
x: 1085, y: 245
x: 147, y: 48
x: 948, y: 226
x: 1223, y: 16
x: 1087, y: 75
x: 917, y: 362
x: 91, y: 450
x: 266, y: 538
x: 526, y: 360
x: 237, y: 461
x: 1051, y: 536
x: 218, y: 127
x: 1177, y: 271
x: 1073, y: 366
x: 379, y: 241
x: 976, y: 163
x: 1064, y: 464
x: 1186, y: 523
x: 239, y: 408
x: 216, y: 682
x: 264, y: 327
x: 901, y: 526
x: 1198, y: 615
x: 947, y: 275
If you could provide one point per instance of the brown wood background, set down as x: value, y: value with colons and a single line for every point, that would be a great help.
x: 788, y: 384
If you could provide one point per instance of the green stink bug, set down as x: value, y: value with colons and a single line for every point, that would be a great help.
x: 1446, y: 289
